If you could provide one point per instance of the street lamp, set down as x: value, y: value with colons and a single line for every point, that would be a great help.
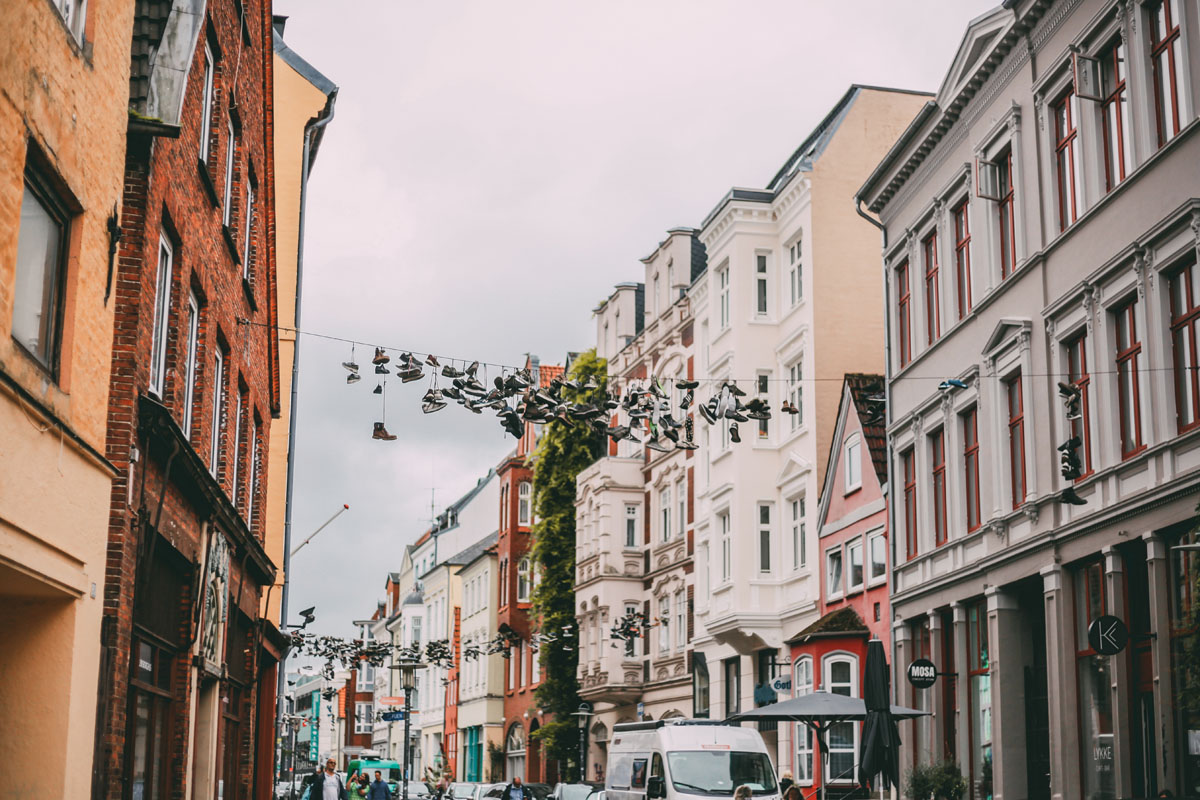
x: 408, y: 678
x: 583, y: 715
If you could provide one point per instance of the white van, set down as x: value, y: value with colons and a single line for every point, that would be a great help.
x: 683, y: 759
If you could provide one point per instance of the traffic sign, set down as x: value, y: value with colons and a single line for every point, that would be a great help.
x: 1108, y: 635
x: 392, y: 716
x: 781, y: 684
x: 391, y: 701
x: 922, y: 673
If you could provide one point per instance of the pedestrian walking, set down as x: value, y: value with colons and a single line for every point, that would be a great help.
x: 379, y: 788
x: 793, y: 793
x: 785, y: 782
x: 358, y: 786
x: 326, y: 785
x: 516, y: 790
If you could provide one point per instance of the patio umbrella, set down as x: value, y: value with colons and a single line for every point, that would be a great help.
x: 880, y: 737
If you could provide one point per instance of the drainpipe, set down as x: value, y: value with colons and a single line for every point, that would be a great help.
x: 315, y: 124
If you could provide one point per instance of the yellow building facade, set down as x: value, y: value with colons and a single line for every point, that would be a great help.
x: 64, y: 87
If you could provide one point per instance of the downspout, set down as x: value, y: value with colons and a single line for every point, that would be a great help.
x: 313, y: 125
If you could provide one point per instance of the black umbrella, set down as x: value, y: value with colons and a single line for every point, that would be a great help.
x: 880, y: 737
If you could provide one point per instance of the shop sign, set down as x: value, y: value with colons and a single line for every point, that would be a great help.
x: 1108, y: 635
x: 781, y: 684
x: 314, y: 736
x: 922, y: 673
x: 216, y: 599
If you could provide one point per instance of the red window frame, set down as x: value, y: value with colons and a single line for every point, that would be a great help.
x: 1065, y: 134
x: 1016, y: 439
x: 1077, y: 373
x: 949, y: 689
x: 962, y: 258
x: 1164, y: 50
x: 970, y: 424
x: 978, y: 664
x: 937, y: 449
x: 1004, y: 214
x: 903, y: 298
x: 1114, y: 113
x: 1185, y: 316
x: 910, y: 503
x: 933, y: 291
x: 1128, y: 393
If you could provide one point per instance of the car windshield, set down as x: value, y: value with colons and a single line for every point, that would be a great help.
x: 719, y: 772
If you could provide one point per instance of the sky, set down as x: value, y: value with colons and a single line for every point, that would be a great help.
x: 493, y: 168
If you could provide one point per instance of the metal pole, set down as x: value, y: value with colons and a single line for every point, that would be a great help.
x: 407, y: 714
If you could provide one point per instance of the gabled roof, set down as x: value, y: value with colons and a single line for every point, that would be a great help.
x: 839, y: 622
x: 862, y: 394
x: 473, y: 552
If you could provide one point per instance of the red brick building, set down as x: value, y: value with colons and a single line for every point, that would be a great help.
x: 356, y: 704
x: 830, y: 654
x: 517, y: 576
x: 188, y: 668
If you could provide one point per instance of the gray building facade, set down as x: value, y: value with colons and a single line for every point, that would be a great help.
x: 1042, y: 224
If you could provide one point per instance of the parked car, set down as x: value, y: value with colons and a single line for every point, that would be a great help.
x: 489, y: 790
x: 464, y: 791
x: 540, y: 791
x: 576, y: 791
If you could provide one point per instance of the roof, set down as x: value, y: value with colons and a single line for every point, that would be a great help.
x: 483, y: 552
x: 866, y: 391
x: 840, y: 621
x: 473, y: 552
x: 305, y: 69
x: 149, y: 22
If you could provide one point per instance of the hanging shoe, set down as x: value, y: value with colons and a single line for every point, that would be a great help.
x: 350, y: 366
x: 452, y: 393
x: 410, y: 374
x: 734, y: 390
x: 378, y: 389
x: 353, y: 377
x: 689, y: 385
x: 733, y: 433
x: 471, y: 370
x: 380, y: 369
x: 432, y: 361
x: 708, y: 415
x: 431, y: 406
x: 381, y: 432
x: 655, y: 444
x: 380, y: 356
x: 1069, y: 496
x: 686, y: 402
x: 450, y: 372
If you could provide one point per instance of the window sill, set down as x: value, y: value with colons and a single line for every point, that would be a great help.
x: 248, y: 288
x: 853, y: 489
x: 722, y: 455
x: 230, y: 244
x: 206, y: 178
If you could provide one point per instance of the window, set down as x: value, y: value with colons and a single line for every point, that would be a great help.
x: 252, y: 483
x: 733, y: 685
x: 363, y: 716
x: 1114, y: 115
x: 523, y: 582
x: 74, y: 14
x: 726, y: 547
x: 854, y: 558
x: 1095, y: 684
x: 248, y: 230
x: 217, y: 426
x: 802, y: 684
x: 162, y: 310
x: 41, y: 267
x: 237, y: 448
x: 631, y: 520
x: 230, y: 149
x: 1166, y: 58
x: 841, y: 677
x: 206, y: 104
x: 764, y: 537
x: 681, y: 501
x: 980, y: 694
x: 193, y: 334
x: 366, y: 675
x: 1077, y: 373
x: 933, y: 291
x: 524, y: 498
x: 1128, y: 396
x: 876, y: 557
x: 796, y: 273
x: 760, y: 285
x: 1004, y: 214
x: 723, y: 296
x: 1065, y: 172
x: 970, y: 427
x: 517, y: 652
x: 937, y: 452
x: 664, y: 506
x: 416, y: 632
x: 632, y: 610
x: 1016, y: 439
x: 701, y: 690
x: 853, y: 464
x: 763, y: 388
x: 656, y: 296
x: 1184, y: 315
x: 681, y: 632
x: 799, y: 545
x: 150, y: 709
x: 910, y: 502
x: 833, y: 572
x: 796, y: 392
x: 664, y: 623
x: 903, y: 310
x: 962, y: 258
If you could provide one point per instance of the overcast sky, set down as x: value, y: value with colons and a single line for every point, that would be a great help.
x: 492, y: 170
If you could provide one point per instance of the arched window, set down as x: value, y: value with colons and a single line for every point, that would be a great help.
x: 524, y: 501
x: 523, y: 580
x: 802, y: 684
x: 514, y: 746
x: 841, y: 677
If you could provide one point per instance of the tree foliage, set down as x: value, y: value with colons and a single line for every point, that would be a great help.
x: 564, y: 450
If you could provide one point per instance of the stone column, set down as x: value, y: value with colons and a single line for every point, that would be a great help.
x: 934, y: 694
x: 1118, y: 666
x: 1158, y: 569
x: 962, y: 728
x: 903, y: 690
x: 1006, y: 651
x: 1061, y: 685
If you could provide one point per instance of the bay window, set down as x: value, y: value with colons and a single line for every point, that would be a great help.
x: 524, y: 503
x: 631, y: 525
x: 799, y: 545
x: 524, y: 584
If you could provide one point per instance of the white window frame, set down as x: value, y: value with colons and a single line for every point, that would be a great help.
x: 796, y: 391
x: 723, y: 297
x: 363, y: 718
x: 664, y: 623
x: 802, y: 684
x: 664, y: 508
x: 762, y: 388
x: 852, y: 462
x: 631, y: 643
x: 827, y: 685
x: 230, y: 149
x: 162, y: 313
x: 524, y: 503
x: 207, y: 104
x: 762, y: 287
x: 726, y: 547
x: 853, y: 546
x: 680, y: 619
x: 252, y: 482
x: 524, y: 580
x: 799, y: 533
x: 832, y: 554
x: 681, y: 503
x: 796, y: 272
x: 237, y: 442
x: 247, y: 236
x: 74, y: 15
x: 216, y: 427
x: 193, y: 334
x: 764, y: 538
x: 873, y: 578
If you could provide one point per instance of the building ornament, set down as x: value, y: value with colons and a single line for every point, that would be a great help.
x: 1030, y: 510
x: 1023, y: 340
x: 1014, y: 118
x: 1141, y: 261
x: 947, y: 406
x: 998, y: 527
x: 967, y: 169
x: 1050, y: 327
x: 1195, y: 225
x: 915, y: 425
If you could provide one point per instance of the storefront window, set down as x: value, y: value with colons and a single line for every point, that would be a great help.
x: 150, y: 720
x: 981, y: 701
x: 1095, y: 694
x: 802, y: 684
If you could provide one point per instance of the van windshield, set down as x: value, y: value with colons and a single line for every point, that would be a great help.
x: 719, y: 772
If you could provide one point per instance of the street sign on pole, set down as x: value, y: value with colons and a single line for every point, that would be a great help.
x: 393, y: 716
x: 390, y: 701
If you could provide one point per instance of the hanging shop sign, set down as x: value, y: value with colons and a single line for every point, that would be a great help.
x: 216, y: 599
x: 314, y: 735
x: 1108, y: 635
x: 922, y: 673
x: 781, y: 684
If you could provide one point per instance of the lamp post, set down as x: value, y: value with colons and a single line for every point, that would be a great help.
x: 408, y: 677
x: 583, y: 715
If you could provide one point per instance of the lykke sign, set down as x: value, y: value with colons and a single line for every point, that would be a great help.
x: 922, y: 673
x: 1108, y: 635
